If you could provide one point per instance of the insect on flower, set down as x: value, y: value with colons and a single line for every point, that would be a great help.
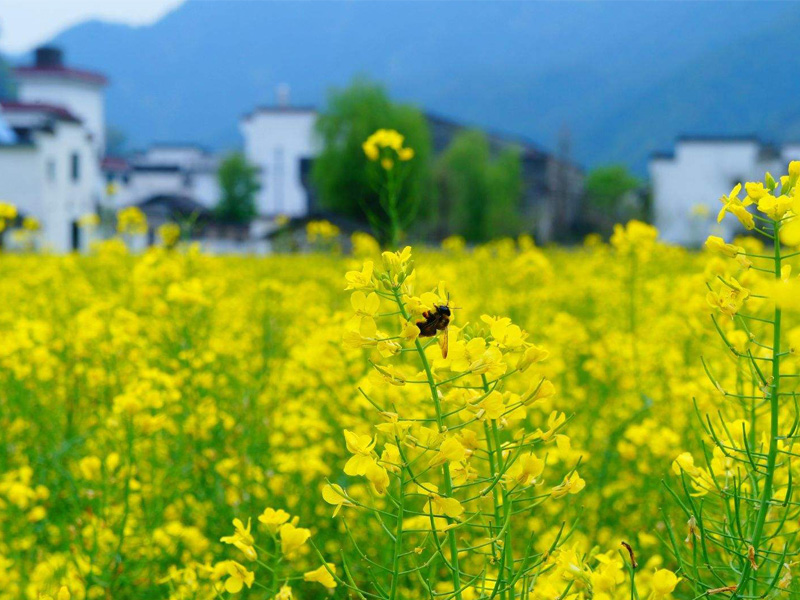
x: 436, y: 320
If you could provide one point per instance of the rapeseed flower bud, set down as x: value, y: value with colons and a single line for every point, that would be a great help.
x: 322, y: 575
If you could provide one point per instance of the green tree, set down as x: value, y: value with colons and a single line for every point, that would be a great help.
x: 116, y: 141
x: 238, y: 182
x: 479, y: 193
x: 8, y: 87
x: 343, y: 176
x: 504, y: 175
x: 611, y: 190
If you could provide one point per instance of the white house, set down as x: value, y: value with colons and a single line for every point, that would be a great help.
x: 181, y: 170
x: 688, y: 183
x: 50, y: 167
x: 280, y: 141
x: 50, y: 81
x: 50, y: 172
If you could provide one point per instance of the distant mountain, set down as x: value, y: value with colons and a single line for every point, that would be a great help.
x: 623, y: 78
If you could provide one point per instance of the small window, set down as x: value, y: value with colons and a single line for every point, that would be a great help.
x: 76, y: 166
x: 50, y: 168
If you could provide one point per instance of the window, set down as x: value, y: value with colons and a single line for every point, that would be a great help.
x: 50, y: 169
x: 75, y: 166
x: 278, y: 178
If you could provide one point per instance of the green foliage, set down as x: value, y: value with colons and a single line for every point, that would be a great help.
x: 116, y: 141
x: 238, y: 182
x: 8, y: 87
x: 480, y: 193
x: 343, y: 177
x: 609, y: 187
x: 504, y: 175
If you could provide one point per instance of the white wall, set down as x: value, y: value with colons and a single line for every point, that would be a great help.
x: 21, y: 179
x: 144, y: 184
x: 187, y: 171
x: 698, y: 175
x: 201, y: 186
x: 182, y: 156
x: 789, y: 152
x: 66, y: 199
x: 49, y: 193
x: 205, y: 188
x: 83, y: 98
x: 276, y: 141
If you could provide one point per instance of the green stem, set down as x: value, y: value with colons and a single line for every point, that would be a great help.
x: 766, y: 493
x: 398, y: 535
x: 507, y: 558
x: 498, y: 495
x: 394, y: 219
x: 495, y: 500
x: 448, y: 482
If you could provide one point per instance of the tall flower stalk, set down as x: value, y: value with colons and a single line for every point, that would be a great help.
x: 452, y: 471
x: 739, y: 508
x: 397, y: 210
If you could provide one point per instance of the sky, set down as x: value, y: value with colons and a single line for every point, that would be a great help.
x: 26, y: 23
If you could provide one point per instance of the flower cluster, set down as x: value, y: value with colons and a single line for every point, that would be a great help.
x: 321, y: 232
x: 183, y: 391
x: 169, y: 234
x: 8, y: 212
x: 452, y: 460
x: 386, y: 146
x: 741, y: 520
x: 131, y: 221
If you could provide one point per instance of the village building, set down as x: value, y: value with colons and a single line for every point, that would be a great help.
x: 281, y: 142
x: 54, y: 167
x: 688, y: 182
x: 51, y: 150
x: 180, y: 170
x: 552, y: 185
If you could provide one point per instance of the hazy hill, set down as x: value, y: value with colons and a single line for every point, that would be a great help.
x: 624, y: 78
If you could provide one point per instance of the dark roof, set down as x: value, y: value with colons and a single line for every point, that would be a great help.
x: 114, y: 163
x: 721, y: 138
x: 62, y: 72
x: 173, y: 204
x: 530, y: 149
x: 503, y: 138
x: 159, y: 168
x: 280, y: 109
x: 23, y: 141
x: 662, y: 155
x: 52, y: 110
x: 180, y: 145
x: 765, y: 148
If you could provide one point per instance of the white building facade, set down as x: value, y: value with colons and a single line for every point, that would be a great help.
x: 51, y: 172
x: 688, y: 183
x: 51, y: 168
x: 281, y: 142
x: 182, y: 170
x: 50, y: 81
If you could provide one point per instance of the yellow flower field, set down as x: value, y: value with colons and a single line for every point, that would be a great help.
x: 148, y: 401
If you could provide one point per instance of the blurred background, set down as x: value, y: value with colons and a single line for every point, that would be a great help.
x: 243, y: 121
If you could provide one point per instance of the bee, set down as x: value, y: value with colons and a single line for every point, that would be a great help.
x: 435, y: 321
